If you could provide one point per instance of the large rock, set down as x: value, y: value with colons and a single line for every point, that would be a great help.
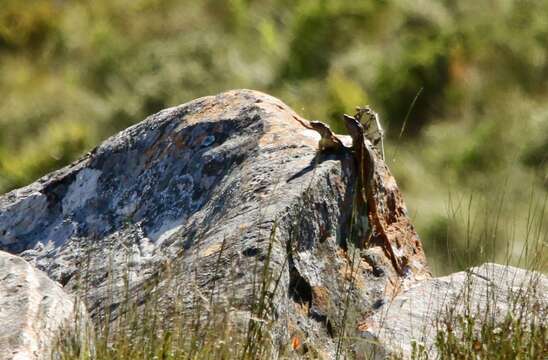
x: 33, y: 309
x: 488, y: 292
x: 218, y: 188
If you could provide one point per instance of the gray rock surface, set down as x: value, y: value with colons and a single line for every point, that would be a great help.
x: 33, y: 308
x: 214, y: 190
x: 488, y: 291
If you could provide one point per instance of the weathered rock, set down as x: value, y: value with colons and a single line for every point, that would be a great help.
x: 217, y: 189
x: 33, y: 308
x: 488, y: 291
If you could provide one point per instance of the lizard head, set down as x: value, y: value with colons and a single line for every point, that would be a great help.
x: 322, y: 128
x: 352, y: 124
x: 366, y: 115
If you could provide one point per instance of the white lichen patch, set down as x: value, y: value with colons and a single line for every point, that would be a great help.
x: 314, y: 135
x: 22, y: 217
x: 130, y: 206
x: 398, y: 252
x: 165, y: 231
x: 60, y: 232
x: 81, y: 190
x: 210, y: 139
x: 212, y: 249
x: 146, y: 248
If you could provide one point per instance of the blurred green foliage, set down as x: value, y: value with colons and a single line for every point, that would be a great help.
x: 74, y: 72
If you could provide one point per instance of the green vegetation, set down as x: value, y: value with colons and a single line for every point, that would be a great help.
x: 74, y: 72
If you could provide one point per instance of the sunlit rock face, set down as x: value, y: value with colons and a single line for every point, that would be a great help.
x: 217, y: 188
x: 486, y: 293
x: 33, y: 308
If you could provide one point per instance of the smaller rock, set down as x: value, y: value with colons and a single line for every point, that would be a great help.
x: 412, y: 315
x: 32, y: 309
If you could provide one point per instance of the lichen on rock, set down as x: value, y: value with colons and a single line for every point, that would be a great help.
x: 231, y: 179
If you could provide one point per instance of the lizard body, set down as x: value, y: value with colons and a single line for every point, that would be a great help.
x: 355, y: 129
x: 366, y: 179
x: 328, y: 139
x: 372, y: 126
x: 365, y: 161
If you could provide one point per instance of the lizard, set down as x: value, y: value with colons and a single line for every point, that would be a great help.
x: 372, y: 126
x: 328, y: 139
x: 365, y: 159
x: 366, y: 166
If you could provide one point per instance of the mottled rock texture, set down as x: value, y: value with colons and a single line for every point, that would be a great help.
x: 489, y: 291
x: 32, y: 309
x: 217, y: 189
